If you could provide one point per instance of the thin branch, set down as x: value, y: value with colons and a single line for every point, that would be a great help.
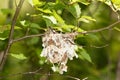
x: 20, y: 73
x: 105, y: 28
x: 94, y: 46
x: 84, y: 32
x: 11, y: 34
x: 37, y: 73
x: 27, y: 36
x: 75, y: 78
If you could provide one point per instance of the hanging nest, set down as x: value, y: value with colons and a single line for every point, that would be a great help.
x: 58, y: 48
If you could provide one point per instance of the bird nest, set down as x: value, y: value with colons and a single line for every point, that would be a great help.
x: 58, y: 48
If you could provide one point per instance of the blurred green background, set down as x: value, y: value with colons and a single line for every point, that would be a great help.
x: 24, y: 56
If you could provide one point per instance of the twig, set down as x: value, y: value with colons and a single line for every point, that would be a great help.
x: 27, y: 36
x: 94, y: 46
x: 11, y: 34
x: 37, y: 73
x: 75, y: 78
x: 105, y: 28
x: 20, y: 73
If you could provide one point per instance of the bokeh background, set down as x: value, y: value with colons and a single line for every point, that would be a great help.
x: 103, y: 47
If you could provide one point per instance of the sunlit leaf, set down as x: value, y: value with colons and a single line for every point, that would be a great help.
x: 19, y: 56
x: 4, y: 35
x: 67, y: 28
x: 116, y: 28
x: 85, y: 2
x: 58, y: 17
x: 37, y: 2
x: 24, y: 23
x: 116, y: 4
x: 2, y: 38
x: 44, y: 10
x: 78, y: 29
x: 30, y: 2
x: 42, y: 60
x: 51, y: 18
x: 86, y: 19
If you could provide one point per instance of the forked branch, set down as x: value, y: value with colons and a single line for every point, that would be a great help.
x: 10, y: 39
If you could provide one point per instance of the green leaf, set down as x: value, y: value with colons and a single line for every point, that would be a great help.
x: 44, y: 10
x: 116, y: 28
x: 2, y: 38
x: 30, y: 2
x: 116, y: 4
x: 58, y: 17
x: 24, y: 23
x: 33, y: 41
x: 36, y: 2
x: 67, y: 28
x: 51, y: 18
x: 19, y: 56
x: 4, y: 28
x: 86, y: 19
x: 34, y: 25
x: 4, y: 31
x: 6, y: 11
x: 7, y: 27
x: 84, y: 55
x: 81, y: 57
x: 42, y: 60
x: 75, y: 10
x: 93, y: 39
x: 29, y: 24
x: 78, y: 29
x: 4, y: 35
x: 85, y: 2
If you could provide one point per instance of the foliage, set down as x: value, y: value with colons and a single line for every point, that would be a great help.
x: 86, y: 19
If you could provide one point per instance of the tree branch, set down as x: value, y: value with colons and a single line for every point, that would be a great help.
x: 84, y: 32
x: 27, y: 36
x: 11, y: 34
x: 102, y: 29
x: 37, y: 72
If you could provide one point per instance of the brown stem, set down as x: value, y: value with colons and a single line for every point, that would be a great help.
x: 11, y: 34
x: 105, y: 28
x: 28, y: 36
x: 38, y: 73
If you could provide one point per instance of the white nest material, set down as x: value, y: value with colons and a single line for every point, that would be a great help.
x: 58, y: 48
